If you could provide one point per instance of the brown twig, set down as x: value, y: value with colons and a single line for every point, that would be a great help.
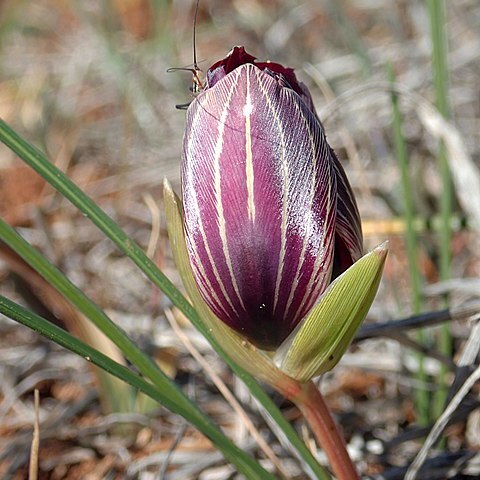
x: 417, y: 321
x: 155, y: 233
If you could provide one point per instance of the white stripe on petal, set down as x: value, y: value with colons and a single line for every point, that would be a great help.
x: 193, y: 202
x: 218, y: 187
x: 247, y: 111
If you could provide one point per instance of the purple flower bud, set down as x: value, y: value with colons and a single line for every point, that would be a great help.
x: 268, y: 211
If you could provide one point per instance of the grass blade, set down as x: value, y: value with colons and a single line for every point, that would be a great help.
x: 244, y: 463
x: 63, y: 338
x: 421, y: 394
x: 55, y: 177
x: 171, y: 393
x: 437, y: 14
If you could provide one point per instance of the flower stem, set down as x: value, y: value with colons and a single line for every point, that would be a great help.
x: 317, y: 414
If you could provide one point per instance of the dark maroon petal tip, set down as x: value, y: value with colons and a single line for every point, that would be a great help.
x: 238, y: 56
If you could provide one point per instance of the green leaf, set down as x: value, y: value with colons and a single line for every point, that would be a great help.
x: 319, y: 342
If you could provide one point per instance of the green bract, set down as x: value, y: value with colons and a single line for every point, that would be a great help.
x: 319, y: 342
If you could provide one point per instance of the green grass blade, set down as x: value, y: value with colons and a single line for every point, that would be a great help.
x: 63, y: 338
x: 55, y: 177
x: 56, y: 278
x: 147, y: 367
x: 421, y: 394
x: 244, y: 463
x: 409, y: 210
x: 438, y: 22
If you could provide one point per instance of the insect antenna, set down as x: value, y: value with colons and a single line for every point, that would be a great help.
x: 197, y: 83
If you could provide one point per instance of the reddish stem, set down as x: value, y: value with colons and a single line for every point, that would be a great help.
x: 317, y: 414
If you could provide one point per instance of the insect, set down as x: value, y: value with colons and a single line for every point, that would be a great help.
x: 197, y: 73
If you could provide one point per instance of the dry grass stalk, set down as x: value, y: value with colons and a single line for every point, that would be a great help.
x: 440, y: 424
x: 33, y: 468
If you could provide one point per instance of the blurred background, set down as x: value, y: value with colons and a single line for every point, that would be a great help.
x: 87, y: 83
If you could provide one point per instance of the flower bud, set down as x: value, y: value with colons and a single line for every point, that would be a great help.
x: 269, y: 215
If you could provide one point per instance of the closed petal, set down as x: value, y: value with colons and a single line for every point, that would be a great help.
x: 348, y: 229
x: 259, y: 197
